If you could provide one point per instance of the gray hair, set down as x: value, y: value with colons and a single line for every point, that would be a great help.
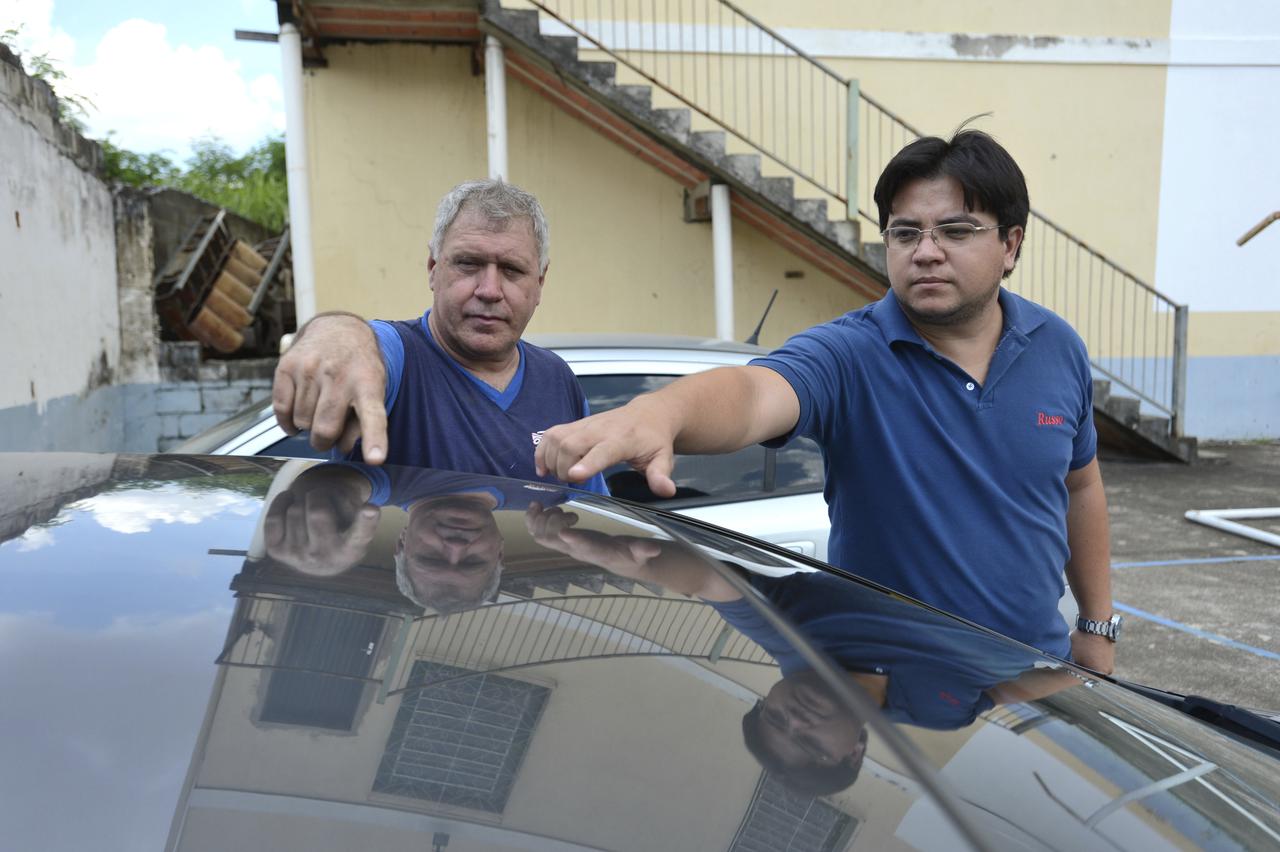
x: 498, y: 202
x: 445, y: 604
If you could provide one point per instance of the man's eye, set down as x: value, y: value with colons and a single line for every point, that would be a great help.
x: 956, y: 233
x: 904, y: 235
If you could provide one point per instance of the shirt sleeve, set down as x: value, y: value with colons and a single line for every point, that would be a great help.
x: 1085, y: 445
x: 818, y: 368
x: 392, y: 348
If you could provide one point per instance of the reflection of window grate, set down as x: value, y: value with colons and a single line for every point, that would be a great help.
x: 781, y: 820
x: 318, y: 644
x: 461, y: 742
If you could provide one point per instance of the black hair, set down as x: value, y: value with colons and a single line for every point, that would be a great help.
x: 986, y: 172
x: 812, y: 780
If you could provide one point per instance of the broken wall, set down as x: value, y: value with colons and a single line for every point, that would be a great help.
x: 58, y: 306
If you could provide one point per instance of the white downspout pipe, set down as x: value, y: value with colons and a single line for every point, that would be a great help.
x: 295, y: 159
x: 495, y: 97
x: 722, y: 246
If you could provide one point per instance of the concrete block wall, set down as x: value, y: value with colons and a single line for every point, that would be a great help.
x: 194, y: 396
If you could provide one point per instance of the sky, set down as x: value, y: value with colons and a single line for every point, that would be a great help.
x: 160, y: 73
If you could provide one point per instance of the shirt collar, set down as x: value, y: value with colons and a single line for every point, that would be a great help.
x: 1020, y: 316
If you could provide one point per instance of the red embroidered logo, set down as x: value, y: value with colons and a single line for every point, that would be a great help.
x: 1043, y: 419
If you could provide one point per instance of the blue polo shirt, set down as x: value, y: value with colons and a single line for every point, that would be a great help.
x: 441, y: 416
x: 940, y: 672
x: 947, y: 490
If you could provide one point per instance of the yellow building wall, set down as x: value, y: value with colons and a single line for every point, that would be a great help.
x: 1130, y: 19
x: 393, y: 127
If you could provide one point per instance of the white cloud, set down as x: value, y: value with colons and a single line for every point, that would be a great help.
x: 135, y: 511
x: 35, y: 538
x: 37, y: 34
x: 157, y: 96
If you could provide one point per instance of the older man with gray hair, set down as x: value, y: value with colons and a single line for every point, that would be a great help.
x: 456, y: 388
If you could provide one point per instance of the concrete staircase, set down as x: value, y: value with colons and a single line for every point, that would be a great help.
x: 770, y: 203
x: 1124, y: 428
x: 665, y: 137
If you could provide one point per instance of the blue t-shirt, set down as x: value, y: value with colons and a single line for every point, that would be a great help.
x: 404, y: 486
x: 938, y: 671
x: 441, y: 416
x: 948, y: 490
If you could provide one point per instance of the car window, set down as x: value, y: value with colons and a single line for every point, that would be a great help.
x: 742, y: 475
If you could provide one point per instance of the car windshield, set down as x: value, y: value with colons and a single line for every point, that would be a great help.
x: 283, y: 653
x: 211, y: 439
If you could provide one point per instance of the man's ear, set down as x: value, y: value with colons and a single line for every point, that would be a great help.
x: 1012, y: 240
x: 431, y: 271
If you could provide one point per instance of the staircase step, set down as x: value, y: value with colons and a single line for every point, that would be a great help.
x: 708, y: 143
x: 621, y: 583
x: 522, y: 22
x: 640, y: 97
x: 845, y: 232
x: 1123, y: 409
x: 745, y: 166
x: 599, y: 74
x: 564, y: 48
x: 560, y: 587
x: 811, y: 210
x: 1154, y: 427
x: 674, y: 123
x: 780, y: 190
x: 591, y: 582
x: 1101, y: 392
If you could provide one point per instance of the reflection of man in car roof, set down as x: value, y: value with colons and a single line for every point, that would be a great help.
x: 922, y: 668
x: 449, y: 554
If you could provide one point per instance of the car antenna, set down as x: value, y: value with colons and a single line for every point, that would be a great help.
x: 754, y: 339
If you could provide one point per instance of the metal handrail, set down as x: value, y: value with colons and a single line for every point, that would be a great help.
x: 839, y: 140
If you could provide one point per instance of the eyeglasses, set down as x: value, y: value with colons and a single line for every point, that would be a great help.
x: 809, y: 745
x: 950, y: 236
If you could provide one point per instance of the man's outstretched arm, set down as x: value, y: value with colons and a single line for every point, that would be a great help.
x: 1089, y: 566
x: 717, y: 411
x: 332, y: 381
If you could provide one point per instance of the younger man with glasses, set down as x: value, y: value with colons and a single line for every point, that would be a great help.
x: 955, y: 417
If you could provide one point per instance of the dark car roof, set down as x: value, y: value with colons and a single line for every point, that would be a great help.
x: 172, y: 676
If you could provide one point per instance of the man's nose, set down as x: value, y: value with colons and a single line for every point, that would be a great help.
x: 489, y: 287
x: 927, y: 251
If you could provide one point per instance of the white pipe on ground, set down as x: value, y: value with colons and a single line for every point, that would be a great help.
x: 495, y: 98
x: 295, y: 158
x: 1224, y: 519
x: 722, y: 247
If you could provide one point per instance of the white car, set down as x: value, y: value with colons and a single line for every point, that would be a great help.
x: 774, y: 495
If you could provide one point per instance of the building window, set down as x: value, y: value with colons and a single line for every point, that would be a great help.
x: 462, y: 741
x: 779, y: 819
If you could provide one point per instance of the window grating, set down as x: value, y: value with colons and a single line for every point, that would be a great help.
x: 781, y: 821
x: 462, y: 741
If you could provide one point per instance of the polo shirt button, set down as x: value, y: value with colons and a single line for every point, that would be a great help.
x: 970, y: 386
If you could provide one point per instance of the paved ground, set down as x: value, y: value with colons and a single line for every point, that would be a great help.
x: 1207, y: 627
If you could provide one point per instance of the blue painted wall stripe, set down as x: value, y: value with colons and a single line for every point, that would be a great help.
x: 1205, y: 561
x: 1195, y: 631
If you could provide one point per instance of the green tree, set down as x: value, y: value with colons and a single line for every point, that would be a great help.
x: 253, y: 185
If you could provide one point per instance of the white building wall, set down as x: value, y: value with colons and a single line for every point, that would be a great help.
x: 1219, y: 177
x: 57, y: 254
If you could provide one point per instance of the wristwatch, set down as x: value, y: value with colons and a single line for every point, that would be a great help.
x: 1109, y: 628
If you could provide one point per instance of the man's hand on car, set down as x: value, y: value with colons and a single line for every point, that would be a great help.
x: 332, y: 382
x: 638, y: 433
